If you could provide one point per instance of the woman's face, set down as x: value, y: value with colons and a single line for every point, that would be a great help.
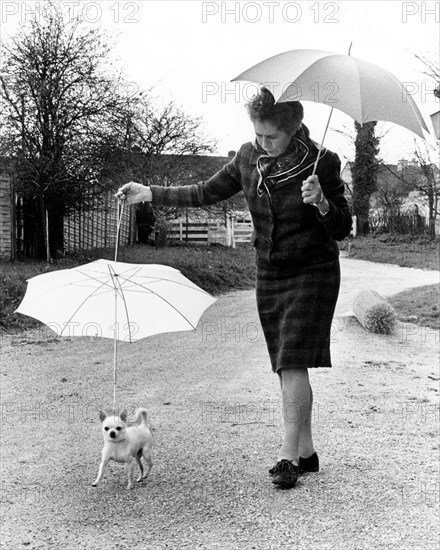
x: 273, y: 140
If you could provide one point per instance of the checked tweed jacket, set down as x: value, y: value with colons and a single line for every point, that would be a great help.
x: 287, y: 232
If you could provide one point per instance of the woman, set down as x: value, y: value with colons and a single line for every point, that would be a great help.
x: 297, y: 219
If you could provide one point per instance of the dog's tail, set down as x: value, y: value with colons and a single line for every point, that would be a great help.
x: 142, y: 414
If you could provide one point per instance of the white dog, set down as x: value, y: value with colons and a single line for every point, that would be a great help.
x: 125, y: 443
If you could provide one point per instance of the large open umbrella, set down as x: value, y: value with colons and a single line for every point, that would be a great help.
x: 111, y: 299
x: 360, y: 89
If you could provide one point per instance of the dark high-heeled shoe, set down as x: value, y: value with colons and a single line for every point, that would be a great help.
x: 309, y: 464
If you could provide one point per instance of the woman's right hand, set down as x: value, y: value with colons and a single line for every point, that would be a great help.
x: 133, y: 192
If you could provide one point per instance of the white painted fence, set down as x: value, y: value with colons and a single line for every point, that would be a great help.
x: 209, y: 233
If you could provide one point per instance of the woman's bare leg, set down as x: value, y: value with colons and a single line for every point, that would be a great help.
x: 297, y: 414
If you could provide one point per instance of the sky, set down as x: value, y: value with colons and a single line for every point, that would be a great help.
x: 189, y: 51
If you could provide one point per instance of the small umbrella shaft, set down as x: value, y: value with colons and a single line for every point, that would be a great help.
x: 115, y: 348
x: 322, y: 142
x: 114, y: 374
x: 120, y: 210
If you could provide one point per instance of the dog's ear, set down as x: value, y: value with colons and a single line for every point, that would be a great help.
x: 123, y: 415
x: 102, y: 416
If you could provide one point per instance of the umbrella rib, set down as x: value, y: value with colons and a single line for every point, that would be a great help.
x: 166, y: 301
x: 161, y: 279
x: 82, y: 303
x: 103, y: 283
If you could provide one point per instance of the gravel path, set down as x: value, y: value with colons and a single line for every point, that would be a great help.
x: 217, y: 423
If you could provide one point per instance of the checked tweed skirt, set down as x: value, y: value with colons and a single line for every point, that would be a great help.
x: 296, y: 308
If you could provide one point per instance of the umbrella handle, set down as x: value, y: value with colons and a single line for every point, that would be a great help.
x: 120, y: 210
x: 323, y: 138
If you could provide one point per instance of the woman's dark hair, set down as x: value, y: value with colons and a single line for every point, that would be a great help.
x: 285, y: 116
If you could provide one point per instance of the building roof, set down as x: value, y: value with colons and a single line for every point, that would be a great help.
x: 402, y: 176
x: 189, y: 167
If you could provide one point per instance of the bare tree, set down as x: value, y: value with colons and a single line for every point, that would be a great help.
x: 61, y: 99
x: 430, y: 184
x: 431, y: 70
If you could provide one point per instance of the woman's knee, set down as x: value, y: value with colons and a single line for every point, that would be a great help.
x: 294, y: 377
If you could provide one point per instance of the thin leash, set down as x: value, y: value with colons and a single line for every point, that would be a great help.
x: 120, y: 211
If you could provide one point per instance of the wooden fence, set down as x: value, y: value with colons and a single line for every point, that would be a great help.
x: 211, y: 232
x: 96, y: 228
x: 243, y: 232
x: 7, y: 217
x: 195, y: 232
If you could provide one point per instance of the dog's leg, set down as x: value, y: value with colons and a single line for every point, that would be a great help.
x: 101, y: 471
x: 130, y: 468
x: 146, y: 453
x: 141, y: 466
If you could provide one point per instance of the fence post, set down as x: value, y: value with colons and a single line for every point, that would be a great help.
x: 228, y: 230
x: 354, y: 226
x: 230, y: 234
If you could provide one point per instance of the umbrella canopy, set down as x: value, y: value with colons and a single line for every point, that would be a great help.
x: 435, y: 119
x: 360, y: 89
x: 115, y: 300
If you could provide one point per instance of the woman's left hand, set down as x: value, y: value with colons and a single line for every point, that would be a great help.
x: 311, y: 190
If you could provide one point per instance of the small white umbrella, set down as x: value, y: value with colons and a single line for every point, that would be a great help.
x: 360, y: 89
x: 147, y: 299
x: 110, y: 299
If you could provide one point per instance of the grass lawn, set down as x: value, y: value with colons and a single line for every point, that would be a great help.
x: 218, y: 269
x: 419, y: 305
x: 403, y: 250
